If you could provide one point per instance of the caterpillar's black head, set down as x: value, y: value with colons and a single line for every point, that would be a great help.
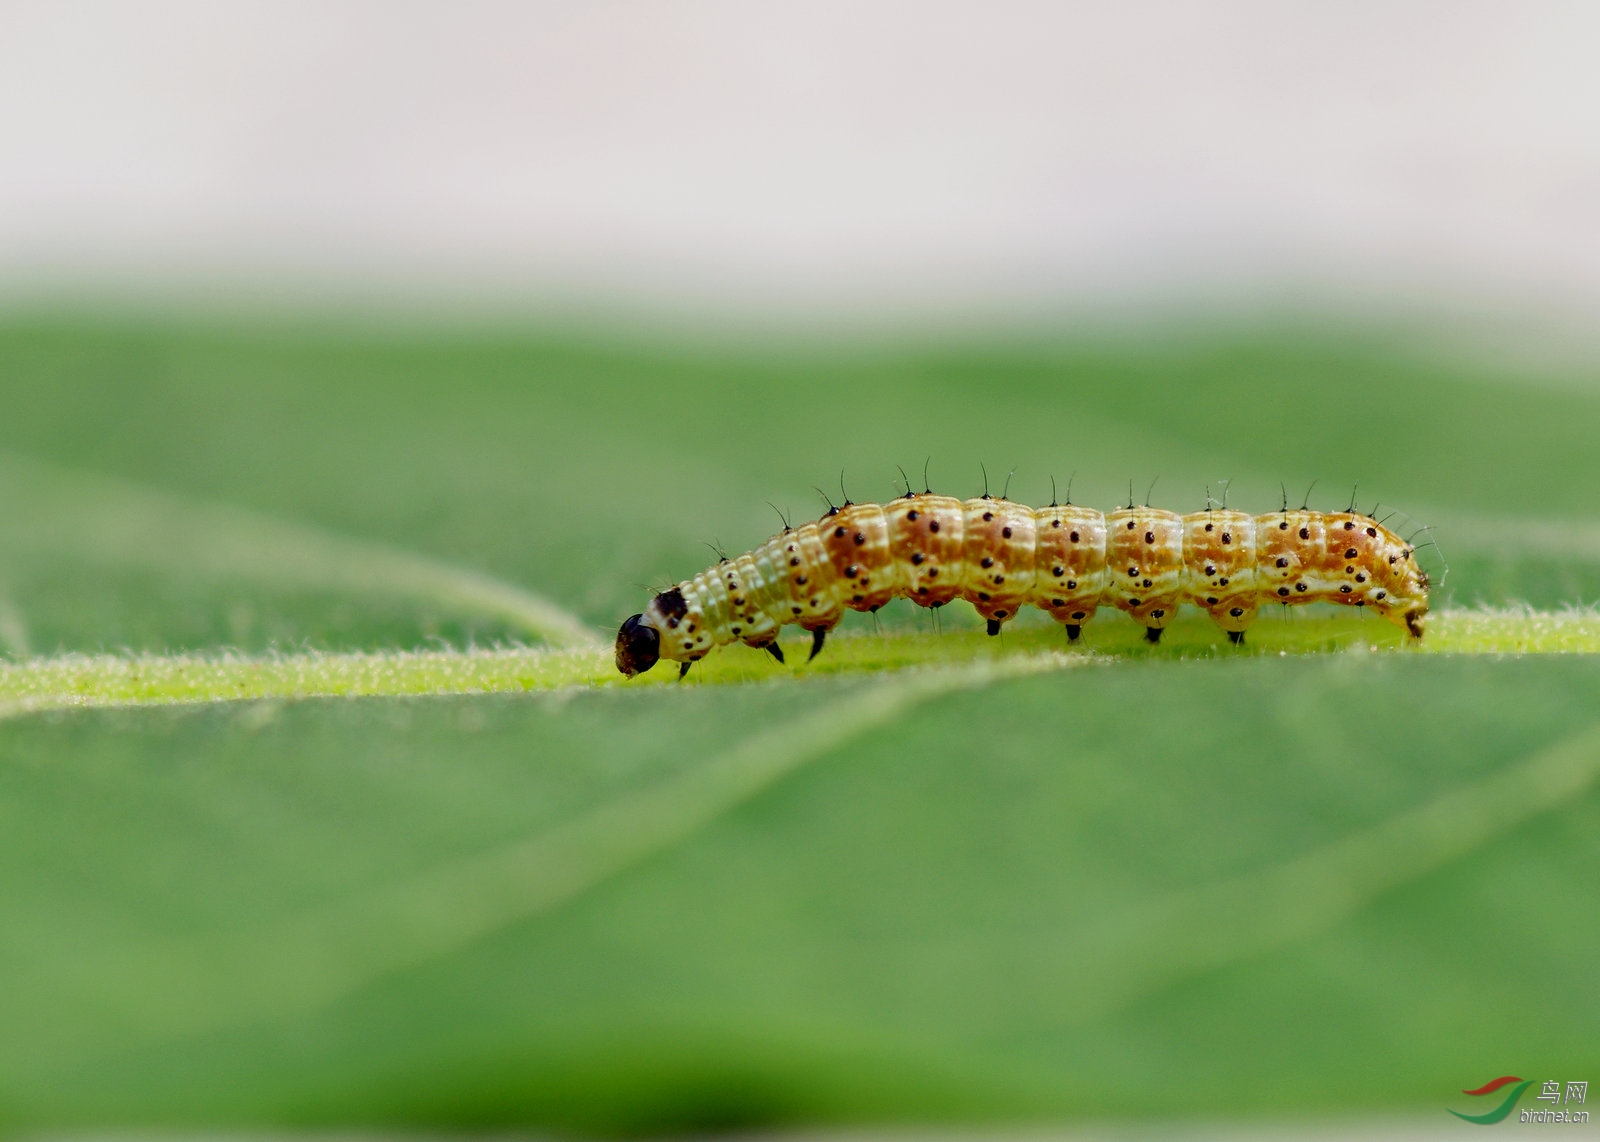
x: 638, y: 646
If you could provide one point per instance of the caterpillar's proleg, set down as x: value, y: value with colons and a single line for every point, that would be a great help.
x: 1000, y: 556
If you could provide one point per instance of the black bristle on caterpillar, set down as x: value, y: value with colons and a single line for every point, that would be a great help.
x: 1000, y: 556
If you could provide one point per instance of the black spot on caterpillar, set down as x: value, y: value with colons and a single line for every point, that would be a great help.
x: 1000, y: 556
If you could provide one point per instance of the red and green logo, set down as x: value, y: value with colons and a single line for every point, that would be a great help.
x: 1489, y: 1118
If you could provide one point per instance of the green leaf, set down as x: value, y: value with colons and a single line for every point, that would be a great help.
x: 321, y: 806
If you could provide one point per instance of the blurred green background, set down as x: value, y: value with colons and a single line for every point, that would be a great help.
x: 941, y: 919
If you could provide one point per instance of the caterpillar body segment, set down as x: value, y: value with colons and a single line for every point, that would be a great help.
x: 1219, y: 568
x: 1001, y: 556
x: 1144, y: 557
x: 1070, y: 564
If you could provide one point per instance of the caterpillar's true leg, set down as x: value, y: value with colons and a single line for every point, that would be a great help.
x: 774, y: 649
x: 683, y: 668
x: 1073, y: 631
x: 1236, y: 637
x: 817, y: 637
x: 1152, y: 635
x: 993, y: 626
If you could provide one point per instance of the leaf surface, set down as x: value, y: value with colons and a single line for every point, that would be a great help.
x: 937, y: 877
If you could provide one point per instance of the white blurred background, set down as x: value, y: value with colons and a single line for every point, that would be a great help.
x: 827, y: 156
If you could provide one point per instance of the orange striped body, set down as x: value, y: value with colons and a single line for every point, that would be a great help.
x: 1069, y: 561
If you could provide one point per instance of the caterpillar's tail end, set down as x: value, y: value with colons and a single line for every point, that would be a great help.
x: 638, y: 646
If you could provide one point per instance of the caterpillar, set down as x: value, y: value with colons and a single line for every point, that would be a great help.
x: 1001, y: 556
